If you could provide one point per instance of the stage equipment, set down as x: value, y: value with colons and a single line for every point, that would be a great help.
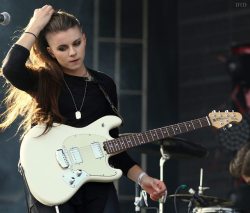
x: 4, y: 18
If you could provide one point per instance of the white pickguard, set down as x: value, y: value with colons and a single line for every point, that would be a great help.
x: 45, y: 158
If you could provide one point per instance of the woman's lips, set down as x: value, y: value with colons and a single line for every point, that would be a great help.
x: 73, y: 61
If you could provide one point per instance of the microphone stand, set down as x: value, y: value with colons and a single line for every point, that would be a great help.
x: 164, y: 157
x: 198, y: 197
x: 201, y: 188
x: 137, y: 198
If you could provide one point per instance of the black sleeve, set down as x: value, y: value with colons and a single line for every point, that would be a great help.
x: 16, y: 72
x: 122, y: 161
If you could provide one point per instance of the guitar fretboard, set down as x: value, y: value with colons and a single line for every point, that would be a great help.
x: 125, y: 142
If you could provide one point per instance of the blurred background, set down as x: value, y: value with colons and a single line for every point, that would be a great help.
x: 173, y: 61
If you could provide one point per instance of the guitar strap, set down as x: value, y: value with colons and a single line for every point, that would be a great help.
x: 93, y: 77
x: 110, y: 102
x: 26, y: 187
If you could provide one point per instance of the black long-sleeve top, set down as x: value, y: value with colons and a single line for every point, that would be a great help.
x: 95, y: 104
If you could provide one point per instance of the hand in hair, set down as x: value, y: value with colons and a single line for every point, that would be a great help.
x: 40, y: 18
x: 38, y: 21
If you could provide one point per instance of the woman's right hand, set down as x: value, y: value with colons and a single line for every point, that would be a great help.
x: 39, y: 19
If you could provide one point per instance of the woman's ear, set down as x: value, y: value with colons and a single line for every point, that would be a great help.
x: 50, y: 52
x: 84, y: 37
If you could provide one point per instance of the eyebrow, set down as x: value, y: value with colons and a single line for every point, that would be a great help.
x: 63, y: 45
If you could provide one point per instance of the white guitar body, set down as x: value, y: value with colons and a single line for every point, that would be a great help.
x: 58, y: 163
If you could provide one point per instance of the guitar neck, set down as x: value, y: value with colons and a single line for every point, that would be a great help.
x: 125, y: 142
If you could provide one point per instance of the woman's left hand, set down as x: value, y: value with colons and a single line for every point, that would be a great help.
x: 154, y: 187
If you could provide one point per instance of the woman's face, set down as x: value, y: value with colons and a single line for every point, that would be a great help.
x: 246, y: 179
x: 68, y: 48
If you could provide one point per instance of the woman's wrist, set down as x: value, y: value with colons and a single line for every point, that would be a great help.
x: 140, y: 177
x: 33, y: 29
x: 30, y: 33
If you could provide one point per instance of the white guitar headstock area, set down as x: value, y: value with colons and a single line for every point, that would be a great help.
x: 224, y: 119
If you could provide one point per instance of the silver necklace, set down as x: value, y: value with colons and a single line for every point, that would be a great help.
x: 78, y: 113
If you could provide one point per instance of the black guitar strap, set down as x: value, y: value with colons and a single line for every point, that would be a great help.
x: 110, y: 102
x: 26, y: 187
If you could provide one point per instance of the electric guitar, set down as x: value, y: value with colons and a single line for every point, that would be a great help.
x: 58, y: 163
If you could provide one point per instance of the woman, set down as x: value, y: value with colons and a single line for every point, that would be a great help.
x: 239, y: 168
x: 54, y: 85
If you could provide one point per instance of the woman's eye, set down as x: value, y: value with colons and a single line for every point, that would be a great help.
x: 77, y: 43
x: 61, y: 48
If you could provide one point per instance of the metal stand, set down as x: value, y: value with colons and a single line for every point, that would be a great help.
x: 164, y: 157
x: 201, y: 188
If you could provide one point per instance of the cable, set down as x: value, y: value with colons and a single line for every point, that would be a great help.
x: 183, y: 186
x: 190, y: 204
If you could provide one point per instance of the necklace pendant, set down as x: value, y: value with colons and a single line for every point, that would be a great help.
x: 78, y: 115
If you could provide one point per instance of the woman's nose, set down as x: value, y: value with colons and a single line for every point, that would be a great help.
x: 72, y: 51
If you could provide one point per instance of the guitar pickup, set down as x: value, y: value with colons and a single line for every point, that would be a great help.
x: 62, y: 159
x: 76, y: 155
x: 96, y: 149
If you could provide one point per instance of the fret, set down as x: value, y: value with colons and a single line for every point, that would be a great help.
x: 196, y: 124
x: 205, y: 121
x: 144, y: 138
x: 193, y: 123
x: 200, y: 122
x: 147, y: 137
x: 166, y: 131
x: 113, y: 146
x: 150, y: 135
x: 106, y: 147
x: 117, y: 147
x: 182, y: 127
x: 129, y: 142
x: 110, y: 146
x: 170, y: 130
x: 138, y: 139
x: 134, y: 137
x: 126, y: 141
x: 177, y: 129
x: 156, y: 132
x: 186, y: 126
x: 122, y: 143
x: 155, y: 136
x: 141, y: 139
x: 173, y: 129
x: 191, y: 126
x: 160, y: 129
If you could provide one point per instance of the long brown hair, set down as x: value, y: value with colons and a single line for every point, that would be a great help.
x: 240, y: 165
x: 42, y: 105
